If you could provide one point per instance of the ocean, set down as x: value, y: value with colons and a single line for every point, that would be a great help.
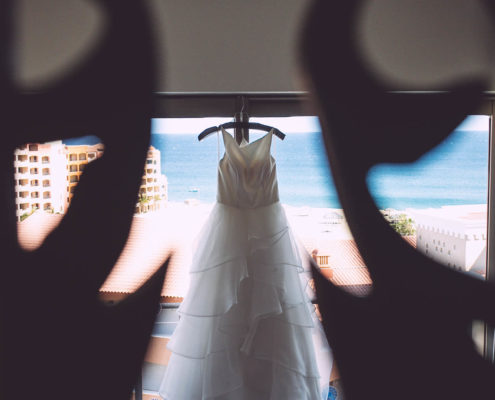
x: 455, y: 172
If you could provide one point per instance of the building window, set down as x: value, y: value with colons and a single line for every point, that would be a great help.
x: 72, y: 189
x: 46, y: 195
x: 22, y: 170
x: 33, y: 159
x: 73, y: 178
x: 45, y: 159
x: 22, y: 157
x: 33, y: 171
x: 34, y: 182
x: 82, y: 157
x: 72, y: 157
x: 81, y: 167
x: 73, y: 168
x: 35, y: 195
x: 46, y: 183
x: 33, y: 147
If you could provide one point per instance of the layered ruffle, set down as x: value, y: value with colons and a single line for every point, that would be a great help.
x: 246, y: 326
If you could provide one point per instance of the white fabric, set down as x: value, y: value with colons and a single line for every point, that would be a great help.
x: 246, y: 328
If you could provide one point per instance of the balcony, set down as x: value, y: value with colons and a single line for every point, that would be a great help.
x: 33, y: 171
x: 23, y: 182
x: 35, y: 195
x: 35, y: 182
x: 46, y: 183
x: 47, y: 195
x: 45, y: 160
x: 46, y: 171
x: 33, y: 159
x: 22, y: 158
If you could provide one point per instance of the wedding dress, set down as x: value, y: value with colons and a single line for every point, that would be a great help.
x: 246, y: 328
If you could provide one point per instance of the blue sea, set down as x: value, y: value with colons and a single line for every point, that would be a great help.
x: 455, y: 172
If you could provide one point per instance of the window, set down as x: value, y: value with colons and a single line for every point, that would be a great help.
x: 81, y: 167
x: 33, y: 171
x: 73, y: 168
x: 34, y: 182
x: 46, y: 171
x: 33, y: 159
x: 73, y: 178
x: 33, y: 147
x: 72, y: 157
x: 45, y: 159
x: 22, y: 157
x: 82, y: 156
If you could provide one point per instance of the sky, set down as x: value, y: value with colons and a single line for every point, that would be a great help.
x: 197, y: 125
x: 288, y: 125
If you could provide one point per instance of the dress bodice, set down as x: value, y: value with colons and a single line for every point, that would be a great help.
x: 247, y: 173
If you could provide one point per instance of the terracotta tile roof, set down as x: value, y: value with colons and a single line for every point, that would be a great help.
x: 33, y: 230
x: 153, y: 237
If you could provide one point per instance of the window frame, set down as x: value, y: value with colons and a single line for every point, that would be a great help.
x: 288, y: 104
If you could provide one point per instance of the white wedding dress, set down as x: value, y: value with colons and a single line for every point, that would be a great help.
x: 246, y: 328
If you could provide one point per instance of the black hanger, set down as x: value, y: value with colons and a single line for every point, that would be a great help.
x: 248, y: 125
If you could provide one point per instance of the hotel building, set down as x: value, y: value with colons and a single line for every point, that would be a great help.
x: 453, y: 235
x: 77, y: 157
x: 153, y: 189
x: 40, y: 176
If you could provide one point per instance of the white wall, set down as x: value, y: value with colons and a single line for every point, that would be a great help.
x: 239, y: 45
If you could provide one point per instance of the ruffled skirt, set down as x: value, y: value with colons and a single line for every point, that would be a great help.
x: 247, y: 329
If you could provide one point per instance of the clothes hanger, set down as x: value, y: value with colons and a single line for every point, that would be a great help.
x: 241, y: 122
x: 244, y: 125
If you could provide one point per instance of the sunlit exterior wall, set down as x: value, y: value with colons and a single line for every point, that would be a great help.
x: 76, y: 159
x: 153, y: 189
x: 40, y: 176
x: 453, y: 235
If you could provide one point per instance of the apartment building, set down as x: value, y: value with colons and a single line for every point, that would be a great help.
x: 154, y: 185
x: 40, y: 176
x: 77, y: 157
